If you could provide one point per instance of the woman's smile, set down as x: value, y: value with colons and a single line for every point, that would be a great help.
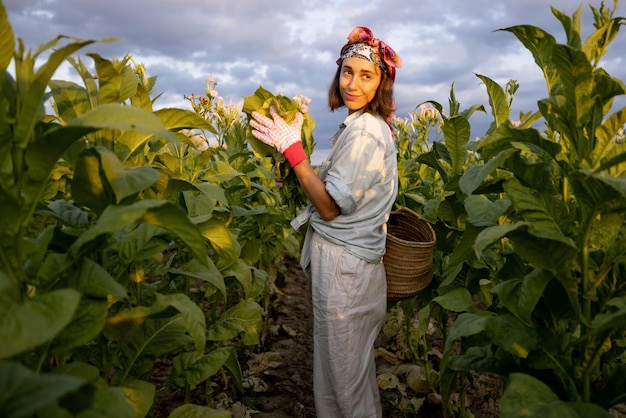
x: 358, y: 82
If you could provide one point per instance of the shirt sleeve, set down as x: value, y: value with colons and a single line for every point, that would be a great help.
x: 357, y: 165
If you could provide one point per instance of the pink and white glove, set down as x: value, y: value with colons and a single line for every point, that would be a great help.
x: 276, y: 132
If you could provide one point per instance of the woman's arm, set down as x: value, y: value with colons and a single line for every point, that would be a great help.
x: 315, y: 190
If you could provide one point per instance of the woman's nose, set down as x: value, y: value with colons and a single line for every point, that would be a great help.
x: 353, y: 84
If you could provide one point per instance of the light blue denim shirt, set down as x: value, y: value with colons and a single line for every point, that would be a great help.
x: 361, y: 175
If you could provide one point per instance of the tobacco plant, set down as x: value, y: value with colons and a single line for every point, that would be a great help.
x: 531, y: 236
x: 106, y: 249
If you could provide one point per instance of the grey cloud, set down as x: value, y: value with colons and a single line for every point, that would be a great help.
x: 293, y: 44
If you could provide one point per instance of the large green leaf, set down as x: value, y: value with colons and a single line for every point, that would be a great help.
x: 125, y: 181
x: 520, y: 296
x: 572, y: 26
x: 209, y: 274
x: 475, y: 175
x: 35, y: 321
x: 252, y: 280
x: 177, y: 119
x: 456, y: 132
x: 595, y: 45
x: 534, y: 167
x: 199, y: 411
x: 463, y: 253
x: 220, y: 238
x: 110, y: 82
x: 124, y: 118
x: 220, y: 172
x: 8, y: 42
x: 155, y: 212
x: 35, y: 92
x: 41, y: 157
x: 609, y: 154
x: 533, y: 210
x: 575, y: 75
x: 214, y: 191
x: 432, y: 159
x: 456, y: 300
x: 198, y: 205
x: 616, y: 183
x: 243, y: 318
x: 90, y: 187
x: 542, y: 249
x: 505, y: 135
x: 261, y: 101
x: 483, y: 212
x: 540, y: 44
x: 140, y: 395
x: 70, y: 99
x: 191, y: 371
x: 528, y: 397
x: 193, y: 318
x: 133, y: 400
x: 67, y: 213
x: 140, y: 332
x: 497, y: 100
x: 91, y: 87
x: 505, y: 331
x: 483, y: 359
x: 613, y: 318
x: 605, y: 89
x: 23, y: 392
x: 86, y: 325
x: 94, y: 401
x: 142, y: 243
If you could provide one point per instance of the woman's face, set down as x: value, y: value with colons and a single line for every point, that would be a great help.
x: 358, y: 82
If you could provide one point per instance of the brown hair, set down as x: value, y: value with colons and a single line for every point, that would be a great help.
x: 382, y: 103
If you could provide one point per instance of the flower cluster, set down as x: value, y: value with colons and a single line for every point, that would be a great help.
x: 303, y: 101
x: 620, y: 136
x: 213, y: 109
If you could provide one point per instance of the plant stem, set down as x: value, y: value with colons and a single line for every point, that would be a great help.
x: 187, y: 393
x: 138, y: 290
x: 584, y: 266
x: 11, y: 270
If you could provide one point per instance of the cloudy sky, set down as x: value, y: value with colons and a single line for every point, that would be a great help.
x: 290, y: 46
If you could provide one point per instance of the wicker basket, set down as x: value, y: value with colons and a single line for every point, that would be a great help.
x: 408, y: 258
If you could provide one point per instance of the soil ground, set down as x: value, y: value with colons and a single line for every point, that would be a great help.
x: 279, y: 374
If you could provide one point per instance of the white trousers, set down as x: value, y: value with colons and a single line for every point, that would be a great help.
x: 349, y: 305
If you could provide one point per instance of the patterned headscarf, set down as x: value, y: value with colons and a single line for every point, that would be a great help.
x: 362, y: 44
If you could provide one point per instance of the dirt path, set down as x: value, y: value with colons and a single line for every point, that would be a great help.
x: 290, y: 382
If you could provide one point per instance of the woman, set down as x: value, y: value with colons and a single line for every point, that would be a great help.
x: 351, y: 199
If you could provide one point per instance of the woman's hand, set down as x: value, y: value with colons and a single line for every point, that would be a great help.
x: 287, y: 139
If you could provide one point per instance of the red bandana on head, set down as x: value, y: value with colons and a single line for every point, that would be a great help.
x: 378, y: 51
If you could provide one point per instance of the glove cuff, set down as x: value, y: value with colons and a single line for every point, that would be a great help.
x: 295, y: 154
